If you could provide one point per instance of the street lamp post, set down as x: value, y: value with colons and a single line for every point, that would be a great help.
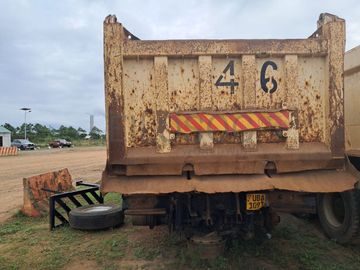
x: 25, y: 110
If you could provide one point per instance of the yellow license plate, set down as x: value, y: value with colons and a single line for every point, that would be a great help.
x: 255, y: 201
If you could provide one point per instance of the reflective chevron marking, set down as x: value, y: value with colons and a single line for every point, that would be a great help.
x: 230, y: 122
x: 8, y: 151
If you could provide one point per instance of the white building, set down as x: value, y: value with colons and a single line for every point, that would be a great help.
x: 5, y: 137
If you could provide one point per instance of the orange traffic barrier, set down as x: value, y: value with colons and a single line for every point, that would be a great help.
x: 8, y: 151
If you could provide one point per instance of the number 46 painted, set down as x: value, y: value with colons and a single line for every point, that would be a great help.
x: 263, y: 79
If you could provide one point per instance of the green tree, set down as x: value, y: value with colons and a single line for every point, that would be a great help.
x: 81, y: 133
x: 68, y: 133
x: 42, y: 134
x: 42, y: 131
x: 10, y: 128
x: 95, y: 133
x: 30, y: 132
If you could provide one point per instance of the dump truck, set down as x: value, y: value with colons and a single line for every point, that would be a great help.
x: 222, y: 135
x: 352, y: 108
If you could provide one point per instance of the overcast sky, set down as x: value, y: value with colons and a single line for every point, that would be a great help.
x: 51, y: 57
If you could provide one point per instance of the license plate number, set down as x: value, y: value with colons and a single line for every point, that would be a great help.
x: 255, y: 201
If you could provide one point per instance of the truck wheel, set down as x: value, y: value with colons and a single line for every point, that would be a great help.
x: 96, y: 217
x: 339, y: 215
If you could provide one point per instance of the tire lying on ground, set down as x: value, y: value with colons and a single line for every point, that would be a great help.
x: 339, y: 215
x: 96, y: 217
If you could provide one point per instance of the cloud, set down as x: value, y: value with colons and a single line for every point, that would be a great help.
x: 51, y: 55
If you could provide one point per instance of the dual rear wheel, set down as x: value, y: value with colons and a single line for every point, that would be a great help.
x: 339, y: 215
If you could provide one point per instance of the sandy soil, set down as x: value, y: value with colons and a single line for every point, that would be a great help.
x: 84, y: 163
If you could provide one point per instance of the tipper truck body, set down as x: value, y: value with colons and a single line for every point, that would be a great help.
x: 222, y: 134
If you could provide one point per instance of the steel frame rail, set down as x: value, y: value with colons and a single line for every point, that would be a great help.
x: 57, y: 200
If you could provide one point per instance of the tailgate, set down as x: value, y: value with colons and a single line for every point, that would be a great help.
x: 224, y: 106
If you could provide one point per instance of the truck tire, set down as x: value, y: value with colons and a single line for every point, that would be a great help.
x: 339, y: 215
x: 96, y: 217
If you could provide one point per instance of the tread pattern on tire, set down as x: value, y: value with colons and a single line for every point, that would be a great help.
x: 83, y: 220
x: 351, y: 226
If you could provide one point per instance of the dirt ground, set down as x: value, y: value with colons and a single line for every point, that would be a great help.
x: 85, y: 163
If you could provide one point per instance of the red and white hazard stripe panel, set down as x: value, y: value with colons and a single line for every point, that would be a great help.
x: 230, y: 122
x: 8, y: 151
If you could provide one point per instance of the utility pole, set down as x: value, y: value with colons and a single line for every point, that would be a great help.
x: 25, y: 110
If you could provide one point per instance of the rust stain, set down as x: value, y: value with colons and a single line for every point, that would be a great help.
x: 8, y: 151
x: 145, y: 81
x: 225, y: 47
x: 35, y: 199
x: 316, y: 181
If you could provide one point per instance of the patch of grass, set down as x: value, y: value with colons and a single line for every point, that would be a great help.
x: 309, y: 259
x: 291, y: 248
x: 219, y: 263
x: 81, y: 143
x: 54, y: 258
x: 111, y: 266
x: 146, y: 253
x: 10, y: 228
x: 108, y: 248
x: 26, y: 243
x: 14, y: 225
x: 287, y: 233
x: 191, y: 259
x: 114, y: 198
